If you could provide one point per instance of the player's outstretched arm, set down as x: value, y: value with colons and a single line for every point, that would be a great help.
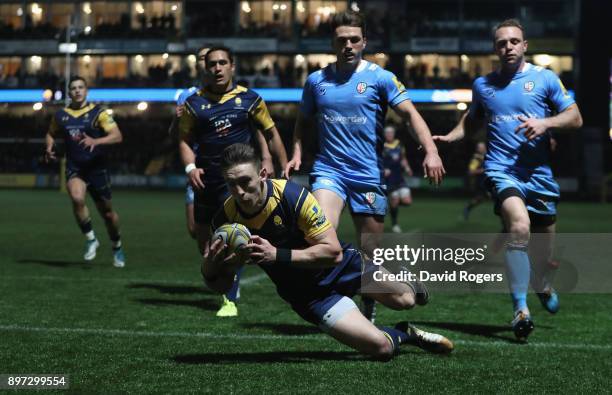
x: 456, y: 134
x: 324, y: 251
x: 432, y: 165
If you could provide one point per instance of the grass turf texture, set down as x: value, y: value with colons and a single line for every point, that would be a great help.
x: 150, y: 327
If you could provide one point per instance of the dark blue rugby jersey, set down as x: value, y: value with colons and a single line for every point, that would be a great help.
x: 392, y: 159
x: 289, y: 216
x: 215, y: 122
x: 91, y: 120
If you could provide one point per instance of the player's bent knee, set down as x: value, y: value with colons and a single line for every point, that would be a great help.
x: 403, y: 301
x: 520, y: 231
x: 381, y: 348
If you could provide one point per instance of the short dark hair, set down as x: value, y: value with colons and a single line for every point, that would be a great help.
x: 237, y: 154
x: 227, y: 50
x: 509, y: 23
x: 348, y: 18
x: 76, y: 78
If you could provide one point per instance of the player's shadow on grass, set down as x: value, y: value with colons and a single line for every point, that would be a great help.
x: 55, y: 263
x: 267, y: 357
x: 171, y: 289
x: 284, y: 329
x: 490, y: 331
x: 203, y: 304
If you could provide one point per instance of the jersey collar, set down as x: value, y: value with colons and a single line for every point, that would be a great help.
x: 362, y: 65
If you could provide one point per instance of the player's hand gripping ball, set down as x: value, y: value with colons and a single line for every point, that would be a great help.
x: 234, y: 235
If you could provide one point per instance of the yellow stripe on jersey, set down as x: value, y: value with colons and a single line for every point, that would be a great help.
x: 474, y: 164
x: 311, y: 219
x: 222, y: 98
x: 77, y: 113
x: 105, y: 121
x: 392, y: 144
x: 187, y: 122
x: 261, y: 115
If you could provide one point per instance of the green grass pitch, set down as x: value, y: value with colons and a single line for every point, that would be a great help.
x: 150, y: 327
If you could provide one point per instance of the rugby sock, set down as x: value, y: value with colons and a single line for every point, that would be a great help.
x: 395, y: 336
x: 87, y: 230
x: 116, y: 242
x: 543, y: 273
x: 518, y: 270
x: 394, y: 211
x: 234, y: 293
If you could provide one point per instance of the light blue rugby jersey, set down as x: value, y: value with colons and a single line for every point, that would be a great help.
x: 350, y: 118
x: 533, y: 92
x: 185, y: 95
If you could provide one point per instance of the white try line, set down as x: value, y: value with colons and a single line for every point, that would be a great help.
x: 315, y: 337
x: 243, y: 281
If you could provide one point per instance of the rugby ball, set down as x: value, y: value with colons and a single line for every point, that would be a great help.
x: 234, y: 235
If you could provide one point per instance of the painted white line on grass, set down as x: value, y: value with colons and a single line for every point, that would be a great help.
x: 497, y: 343
x: 317, y: 337
x: 122, y: 332
x: 253, y: 279
x: 244, y: 281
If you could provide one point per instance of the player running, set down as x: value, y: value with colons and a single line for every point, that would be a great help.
x: 396, y: 164
x: 87, y: 130
x: 519, y: 102
x: 348, y: 101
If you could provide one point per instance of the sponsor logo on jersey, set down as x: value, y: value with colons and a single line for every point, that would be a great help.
x: 398, y: 84
x: 223, y: 126
x: 563, y: 88
x: 353, y: 119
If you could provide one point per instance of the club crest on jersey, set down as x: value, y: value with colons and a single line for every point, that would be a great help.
x: 370, y: 197
x: 238, y: 101
x: 320, y: 90
x: 361, y: 87
x: 529, y: 85
x: 278, y: 221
